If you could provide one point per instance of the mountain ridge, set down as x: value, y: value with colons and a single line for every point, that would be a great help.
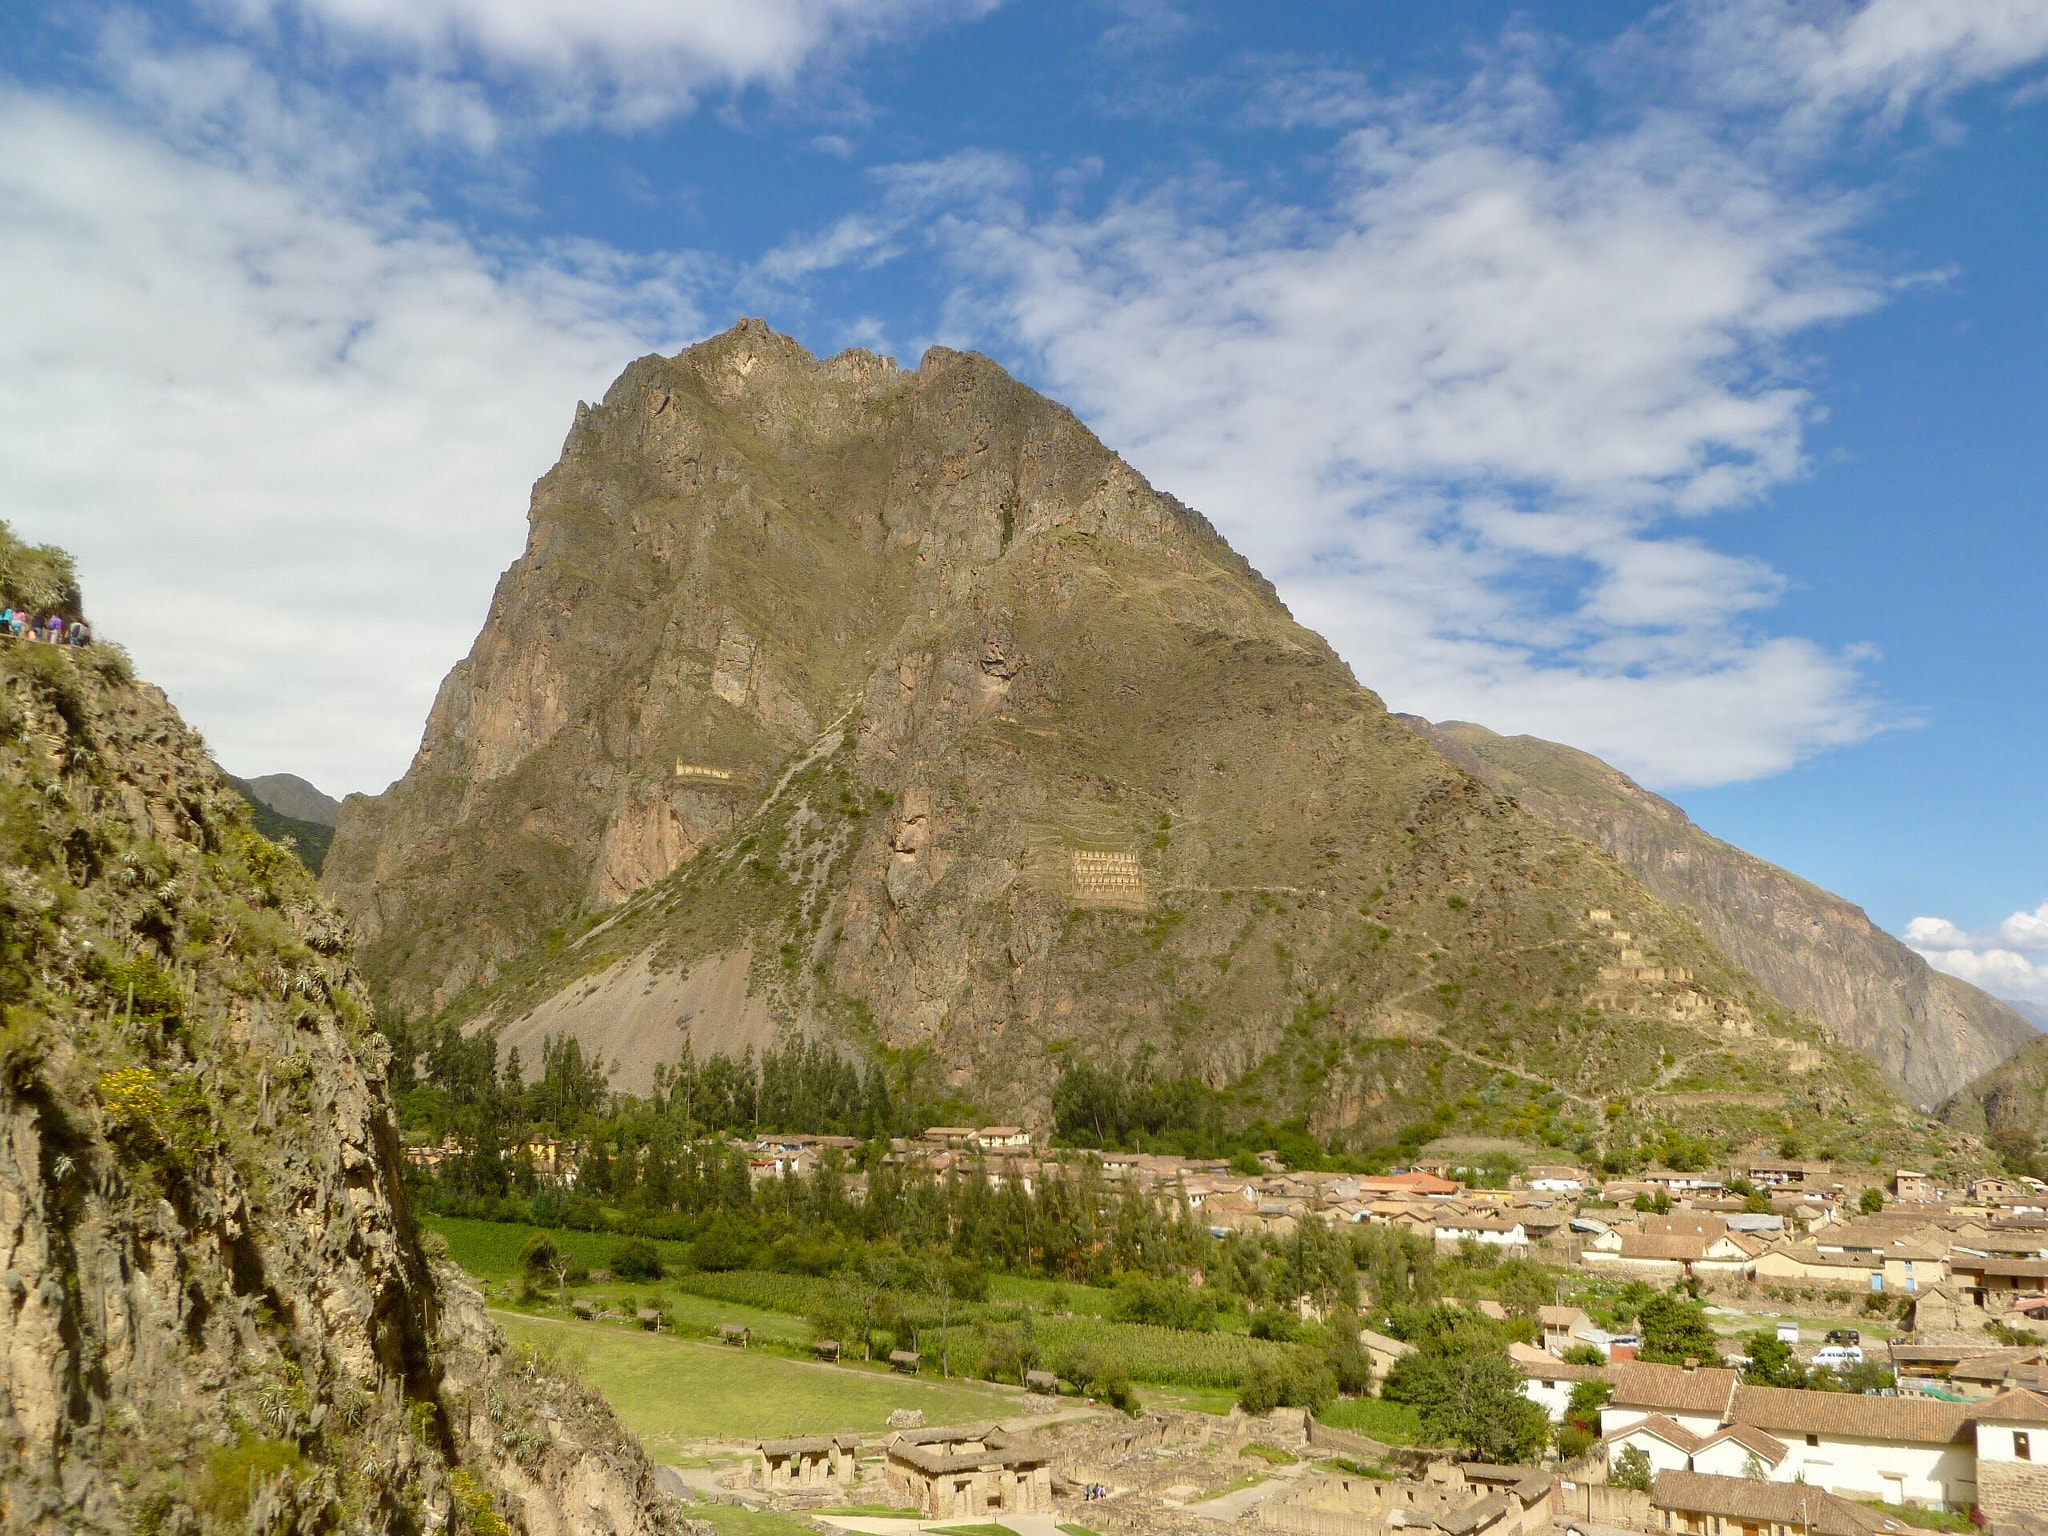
x: 1818, y: 953
x: 890, y: 706
x: 289, y: 795
x: 220, y: 1314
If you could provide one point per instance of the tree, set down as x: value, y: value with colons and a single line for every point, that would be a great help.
x: 1523, y: 1286
x: 1632, y: 1470
x: 1772, y: 1363
x: 1471, y: 1399
x: 1580, y: 1427
x: 1675, y: 1329
x: 1871, y: 1202
x: 1582, y: 1354
x: 636, y: 1260
x: 938, y: 1279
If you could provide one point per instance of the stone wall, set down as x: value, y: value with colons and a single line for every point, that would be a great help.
x: 2008, y: 1488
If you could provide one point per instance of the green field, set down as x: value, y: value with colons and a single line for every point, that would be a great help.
x: 1390, y: 1423
x: 673, y: 1392
x: 490, y: 1249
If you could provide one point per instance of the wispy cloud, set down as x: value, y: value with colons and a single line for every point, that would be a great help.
x: 629, y: 63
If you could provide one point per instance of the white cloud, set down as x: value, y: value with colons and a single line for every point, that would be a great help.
x: 631, y: 61
x: 1455, y: 412
x: 2010, y: 960
x: 1812, y: 65
x: 1468, y: 408
x: 289, y: 432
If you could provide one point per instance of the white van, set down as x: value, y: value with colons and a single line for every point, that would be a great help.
x: 1838, y: 1357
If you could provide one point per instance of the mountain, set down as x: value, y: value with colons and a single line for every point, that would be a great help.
x: 1818, y: 954
x: 2009, y: 1103
x: 289, y: 795
x: 888, y: 707
x: 219, y: 1315
x: 308, y: 839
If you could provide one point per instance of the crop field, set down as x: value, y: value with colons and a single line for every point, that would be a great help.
x: 1162, y: 1356
x: 674, y: 1392
x: 797, y: 1295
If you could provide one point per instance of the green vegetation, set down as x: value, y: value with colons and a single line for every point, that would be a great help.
x: 737, y: 1520
x: 1957, y: 1520
x: 309, y: 840
x: 1632, y: 1469
x: 1272, y: 1455
x: 675, y: 1391
x: 1463, y: 1387
x: 1390, y: 1422
x: 873, y: 1512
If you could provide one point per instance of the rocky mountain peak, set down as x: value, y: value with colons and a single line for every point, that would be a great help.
x: 218, y: 1311
x: 889, y: 707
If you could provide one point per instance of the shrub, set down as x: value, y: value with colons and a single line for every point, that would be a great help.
x: 1632, y: 1470
x: 235, y: 1473
x: 637, y: 1260
x: 1277, y: 1324
x: 1164, y: 1304
x: 1259, y: 1392
x: 1574, y: 1441
x: 1098, y: 1377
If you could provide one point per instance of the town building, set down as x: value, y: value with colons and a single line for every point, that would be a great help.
x: 1699, y: 1504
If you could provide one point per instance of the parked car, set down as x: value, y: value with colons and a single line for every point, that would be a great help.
x: 1843, y: 1336
x: 1837, y: 1357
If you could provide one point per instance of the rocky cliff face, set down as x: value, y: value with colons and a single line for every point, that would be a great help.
x: 2008, y: 1104
x: 1931, y: 1033
x: 214, y: 1311
x: 890, y: 706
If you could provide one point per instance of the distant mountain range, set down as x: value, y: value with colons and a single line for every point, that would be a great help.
x: 1816, y: 952
x: 282, y: 805
x: 889, y: 707
x: 289, y: 795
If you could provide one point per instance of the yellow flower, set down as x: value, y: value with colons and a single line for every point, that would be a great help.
x: 132, y: 1096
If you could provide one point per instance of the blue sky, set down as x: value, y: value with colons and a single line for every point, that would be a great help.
x: 1665, y: 380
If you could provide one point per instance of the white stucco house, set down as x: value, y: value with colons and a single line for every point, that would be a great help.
x: 1902, y: 1450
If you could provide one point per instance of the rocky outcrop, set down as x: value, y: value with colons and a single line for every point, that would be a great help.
x: 214, y: 1310
x: 897, y: 692
x: 1931, y: 1033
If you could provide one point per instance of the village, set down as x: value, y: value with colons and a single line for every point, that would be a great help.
x: 1935, y: 1286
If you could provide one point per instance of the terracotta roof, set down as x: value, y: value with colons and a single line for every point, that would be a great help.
x: 2013, y: 1408
x: 1681, y: 1225
x: 1561, y: 1317
x: 1675, y: 1248
x: 2009, y: 1269
x: 1749, y: 1498
x: 1674, y: 1389
x: 1670, y: 1431
x: 1920, y: 1421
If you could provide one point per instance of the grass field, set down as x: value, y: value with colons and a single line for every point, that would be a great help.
x: 672, y: 1392
x: 1391, y: 1423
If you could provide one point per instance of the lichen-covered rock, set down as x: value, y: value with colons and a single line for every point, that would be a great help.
x: 214, y: 1311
